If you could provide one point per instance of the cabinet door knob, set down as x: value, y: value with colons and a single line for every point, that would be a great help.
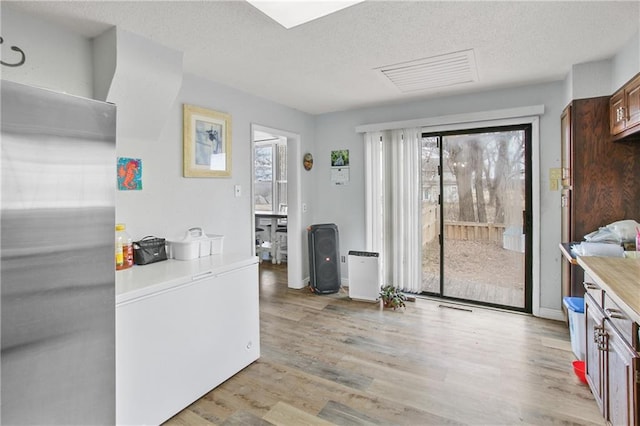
x: 602, y: 345
x: 600, y: 337
x: 597, y: 334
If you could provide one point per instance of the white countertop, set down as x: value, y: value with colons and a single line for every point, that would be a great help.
x: 143, y: 280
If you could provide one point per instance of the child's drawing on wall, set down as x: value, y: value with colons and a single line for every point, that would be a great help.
x: 129, y: 174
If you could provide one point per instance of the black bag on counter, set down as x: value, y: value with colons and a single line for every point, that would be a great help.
x: 149, y: 250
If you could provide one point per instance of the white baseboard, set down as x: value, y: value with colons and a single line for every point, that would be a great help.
x: 302, y: 284
x: 552, y: 314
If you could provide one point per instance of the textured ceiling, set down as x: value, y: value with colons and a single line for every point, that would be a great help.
x: 330, y: 64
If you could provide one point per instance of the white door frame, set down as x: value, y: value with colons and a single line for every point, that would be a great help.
x: 295, y: 233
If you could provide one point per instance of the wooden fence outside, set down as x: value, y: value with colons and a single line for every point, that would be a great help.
x: 472, y: 231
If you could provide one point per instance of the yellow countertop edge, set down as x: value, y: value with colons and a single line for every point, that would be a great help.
x: 613, y: 267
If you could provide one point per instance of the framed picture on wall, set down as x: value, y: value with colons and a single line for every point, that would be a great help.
x: 206, y: 142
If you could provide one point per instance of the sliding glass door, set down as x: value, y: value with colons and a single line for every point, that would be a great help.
x: 476, y: 192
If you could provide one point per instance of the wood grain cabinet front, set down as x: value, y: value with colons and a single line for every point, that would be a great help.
x: 624, y: 110
x: 594, y: 362
x: 621, y: 379
x: 599, y: 183
x: 612, y: 363
x: 617, y: 120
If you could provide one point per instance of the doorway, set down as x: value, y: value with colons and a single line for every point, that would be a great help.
x: 283, y: 185
x: 476, y: 216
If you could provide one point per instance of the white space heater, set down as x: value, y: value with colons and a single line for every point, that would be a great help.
x: 364, y: 275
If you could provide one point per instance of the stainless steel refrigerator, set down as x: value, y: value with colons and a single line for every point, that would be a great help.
x: 57, y: 273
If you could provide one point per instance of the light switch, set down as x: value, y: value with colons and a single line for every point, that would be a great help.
x: 238, y: 190
x: 554, y: 176
x: 555, y: 173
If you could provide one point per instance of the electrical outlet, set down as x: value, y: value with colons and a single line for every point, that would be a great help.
x: 343, y: 259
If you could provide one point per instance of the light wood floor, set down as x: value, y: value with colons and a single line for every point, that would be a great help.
x: 329, y: 360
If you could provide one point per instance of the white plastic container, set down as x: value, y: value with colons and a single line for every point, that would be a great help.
x: 215, y: 243
x: 195, y: 244
x: 205, y: 246
x: 190, y: 246
x: 183, y: 250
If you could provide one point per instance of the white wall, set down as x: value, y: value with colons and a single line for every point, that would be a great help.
x: 168, y: 204
x: 104, y: 53
x: 344, y: 205
x: 626, y: 63
x: 55, y: 58
x: 603, y: 78
x: 591, y: 80
x: 144, y: 84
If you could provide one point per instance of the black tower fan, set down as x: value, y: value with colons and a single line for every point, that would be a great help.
x: 324, y: 262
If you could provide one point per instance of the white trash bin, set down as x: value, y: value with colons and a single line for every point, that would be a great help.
x: 575, y: 309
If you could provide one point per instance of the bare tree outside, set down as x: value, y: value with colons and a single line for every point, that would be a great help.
x: 484, y: 167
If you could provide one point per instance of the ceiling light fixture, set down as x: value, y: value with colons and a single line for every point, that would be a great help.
x: 291, y: 13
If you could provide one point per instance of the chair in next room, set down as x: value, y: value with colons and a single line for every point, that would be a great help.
x: 281, y: 244
x: 262, y: 246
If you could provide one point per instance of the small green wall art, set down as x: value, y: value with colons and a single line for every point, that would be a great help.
x: 129, y: 174
x: 340, y: 158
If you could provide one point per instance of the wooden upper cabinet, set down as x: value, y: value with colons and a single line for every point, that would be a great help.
x: 616, y: 111
x: 633, y: 102
x: 624, y: 110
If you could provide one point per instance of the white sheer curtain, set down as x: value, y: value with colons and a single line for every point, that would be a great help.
x: 392, y: 187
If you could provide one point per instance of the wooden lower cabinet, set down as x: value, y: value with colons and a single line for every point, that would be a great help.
x: 594, y: 363
x: 621, y: 367
x: 612, y: 367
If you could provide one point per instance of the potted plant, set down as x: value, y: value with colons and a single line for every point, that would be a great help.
x: 392, y: 297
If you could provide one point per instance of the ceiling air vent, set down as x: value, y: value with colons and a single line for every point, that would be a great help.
x: 430, y: 73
